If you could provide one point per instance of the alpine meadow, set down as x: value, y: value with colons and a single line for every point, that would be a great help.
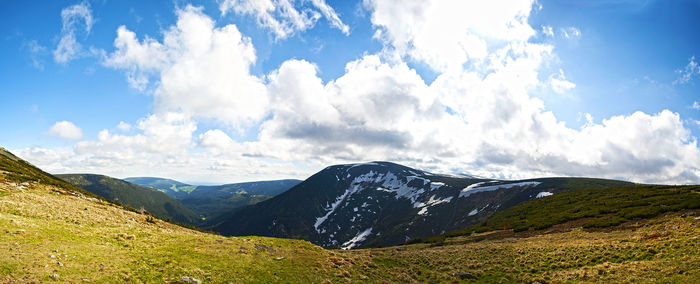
x: 362, y: 141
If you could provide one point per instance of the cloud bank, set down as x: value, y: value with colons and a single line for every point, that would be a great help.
x: 479, y: 116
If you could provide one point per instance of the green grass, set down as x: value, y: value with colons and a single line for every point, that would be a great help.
x: 611, y: 206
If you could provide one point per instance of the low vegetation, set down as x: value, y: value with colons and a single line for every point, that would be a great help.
x: 661, y: 250
x: 600, y: 207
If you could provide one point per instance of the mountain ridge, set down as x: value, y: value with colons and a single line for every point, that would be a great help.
x: 138, y: 197
x: 384, y: 203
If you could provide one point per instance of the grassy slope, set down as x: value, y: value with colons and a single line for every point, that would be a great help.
x: 607, y: 207
x: 45, y: 231
x: 661, y: 250
x: 152, y: 200
x: 104, y: 244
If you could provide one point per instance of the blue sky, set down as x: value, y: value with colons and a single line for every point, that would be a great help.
x: 385, y: 89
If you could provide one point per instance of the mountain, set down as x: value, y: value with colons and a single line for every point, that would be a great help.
x: 212, y: 201
x: 136, y: 196
x: 382, y: 203
x: 176, y: 189
x: 53, y: 232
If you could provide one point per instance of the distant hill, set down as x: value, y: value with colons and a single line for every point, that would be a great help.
x: 382, y: 203
x: 176, y: 189
x: 136, y: 196
x: 212, y: 201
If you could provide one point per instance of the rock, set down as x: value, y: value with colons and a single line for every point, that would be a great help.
x: 60, y: 264
x: 464, y: 275
x: 688, y: 214
x: 55, y: 276
x: 263, y: 247
x: 279, y: 258
x: 675, y: 227
x: 187, y: 279
x: 697, y: 218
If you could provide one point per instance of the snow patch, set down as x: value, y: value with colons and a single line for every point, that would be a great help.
x: 473, y: 212
x: 474, y: 188
x: 435, y: 185
x: 360, y: 237
x: 543, y: 194
x: 423, y: 211
x: 431, y: 202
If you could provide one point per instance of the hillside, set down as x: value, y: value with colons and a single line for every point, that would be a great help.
x: 138, y: 197
x: 54, y: 231
x: 175, y: 189
x: 212, y: 201
x: 52, y: 234
x: 381, y: 203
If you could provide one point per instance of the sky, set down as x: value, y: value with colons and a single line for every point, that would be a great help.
x: 241, y: 90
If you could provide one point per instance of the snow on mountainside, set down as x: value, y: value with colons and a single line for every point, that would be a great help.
x: 380, y: 203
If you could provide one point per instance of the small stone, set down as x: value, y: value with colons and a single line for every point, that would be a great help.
x: 279, y: 258
x: 60, y: 264
x: 688, y: 214
x: 55, y: 276
x: 675, y: 227
x: 53, y: 256
x: 187, y: 279
x: 262, y: 247
x: 464, y: 275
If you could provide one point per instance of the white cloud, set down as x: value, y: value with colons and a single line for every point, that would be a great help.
x: 447, y: 34
x: 36, y: 50
x: 479, y: 116
x: 548, y: 31
x: 570, y: 33
x: 688, y: 72
x: 217, y: 141
x: 66, y: 130
x: 199, y: 69
x: 123, y: 126
x: 331, y: 16
x: 282, y: 17
x: 68, y: 47
x: 559, y: 83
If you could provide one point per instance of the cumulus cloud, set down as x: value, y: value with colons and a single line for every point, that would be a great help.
x: 66, y: 130
x: 123, y: 126
x: 68, y: 47
x: 447, y: 34
x: 559, y: 83
x: 198, y: 69
x: 479, y: 116
x: 284, y: 17
x: 690, y: 71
